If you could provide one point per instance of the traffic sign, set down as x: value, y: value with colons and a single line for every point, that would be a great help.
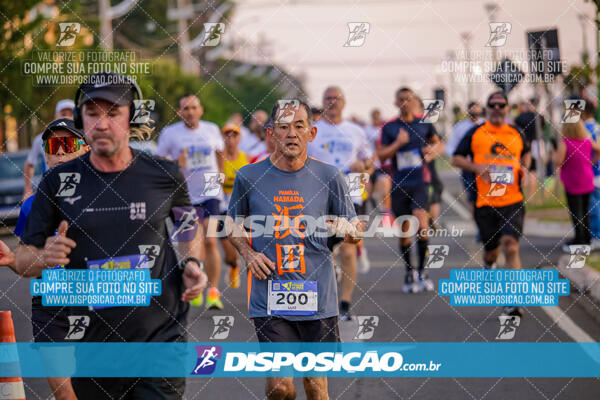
x: 507, y: 75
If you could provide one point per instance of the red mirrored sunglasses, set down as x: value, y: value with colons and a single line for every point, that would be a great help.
x: 69, y: 144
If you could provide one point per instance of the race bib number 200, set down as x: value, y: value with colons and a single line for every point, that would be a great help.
x: 292, y: 297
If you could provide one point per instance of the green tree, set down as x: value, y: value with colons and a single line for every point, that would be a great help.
x: 220, y: 99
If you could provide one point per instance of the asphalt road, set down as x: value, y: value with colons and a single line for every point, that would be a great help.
x: 423, y: 317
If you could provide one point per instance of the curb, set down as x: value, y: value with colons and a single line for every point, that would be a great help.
x: 585, y: 279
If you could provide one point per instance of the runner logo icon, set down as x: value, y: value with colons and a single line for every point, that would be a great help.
x: 357, y: 33
x: 207, y: 359
x: 212, y: 33
x: 141, y: 115
x: 185, y: 224
x: 578, y: 252
x: 223, y: 324
x: 77, y: 326
x: 437, y: 255
x: 499, y: 182
x: 366, y: 326
x: 287, y: 110
x: 432, y: 110
x: 68, y: 33
x: 498, y: 33
x: 213, y: 182
x: 508, y: 327
x: 573, y: 109
x: 68, y: 183
x: 356, y: 183
x: 151, y: 251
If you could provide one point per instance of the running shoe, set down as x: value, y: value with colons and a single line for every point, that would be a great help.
x: 434, y: 225
x: 197, y: 302
x: 409, y: 283
x: 424, y: 283
x: 512, y: 311
x: 364, y: 265
x: 234, y: 277
x: 566, y: 246
x: 213, y: 299
x: 345, y: 312
x: 345, y: 316
x: 493, y: 266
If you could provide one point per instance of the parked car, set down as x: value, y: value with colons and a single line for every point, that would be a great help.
x: 12, y: 184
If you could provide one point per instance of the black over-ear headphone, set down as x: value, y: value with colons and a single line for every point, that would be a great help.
x: 77, y: 114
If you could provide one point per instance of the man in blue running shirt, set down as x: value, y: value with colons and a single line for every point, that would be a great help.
x: 292, y: 293
x: 411, y: 144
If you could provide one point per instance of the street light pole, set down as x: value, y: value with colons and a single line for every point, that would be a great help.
x: 582, y: 17
x: 466, y: 38
x: 491, y: 9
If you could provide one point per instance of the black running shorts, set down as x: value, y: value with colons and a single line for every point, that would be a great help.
x: 276, y: 329
x: 495, y: 222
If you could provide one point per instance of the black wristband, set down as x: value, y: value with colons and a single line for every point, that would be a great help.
x: 194, y: 259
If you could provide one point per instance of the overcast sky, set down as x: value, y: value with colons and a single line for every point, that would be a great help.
x: 406, y: 45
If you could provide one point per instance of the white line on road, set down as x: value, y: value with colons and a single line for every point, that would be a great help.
x: 561, y: 319
x: 456, y: 205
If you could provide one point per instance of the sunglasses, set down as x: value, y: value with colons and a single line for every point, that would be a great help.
x: 231, y: 133
x: 69, y: 144
x: 497, y: 105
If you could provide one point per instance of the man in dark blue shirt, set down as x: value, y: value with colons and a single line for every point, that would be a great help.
x: 410, y: 143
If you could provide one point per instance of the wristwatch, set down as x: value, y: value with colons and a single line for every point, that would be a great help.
x: 194, y: 259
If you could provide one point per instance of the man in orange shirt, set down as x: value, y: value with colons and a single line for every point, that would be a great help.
x: 500, y: 156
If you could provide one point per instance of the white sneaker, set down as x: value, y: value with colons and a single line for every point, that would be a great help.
x: 364, y: 265
x: 410, y: 286
x: 424, y: 283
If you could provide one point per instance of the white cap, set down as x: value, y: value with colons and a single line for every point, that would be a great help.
x: 64, y: 103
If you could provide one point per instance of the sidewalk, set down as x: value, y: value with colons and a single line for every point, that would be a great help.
x: 586, y: 279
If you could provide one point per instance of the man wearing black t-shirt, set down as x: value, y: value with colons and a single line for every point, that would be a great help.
x: 113, y: 202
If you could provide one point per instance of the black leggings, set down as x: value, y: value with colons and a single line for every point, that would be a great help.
x: 579, y: 208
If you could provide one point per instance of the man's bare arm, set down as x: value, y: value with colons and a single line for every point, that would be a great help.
x: 385, y: 152
x: 62, y: 389
x: 259, y: 264
x: 194, y: 278
x: 31, y: 260
x: 220, y: 160
x: 434, y: 149
x: 464, y: 163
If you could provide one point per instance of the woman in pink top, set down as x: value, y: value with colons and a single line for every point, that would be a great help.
x: 575, y: 155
